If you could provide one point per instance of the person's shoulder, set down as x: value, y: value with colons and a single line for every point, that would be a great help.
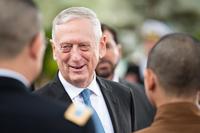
x: 148, y: 130
x: 38, y: 114
x: 47, y: 103
x: 49, y: 88
x: 138, y: 89
x: 109, y: 82
x: 112, y: 85
x: 45, y: 107
x: 131, y: 85
x: 45, y: 88
x: 57, y: 111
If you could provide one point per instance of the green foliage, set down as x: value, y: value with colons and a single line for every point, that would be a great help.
x: 50, y: 67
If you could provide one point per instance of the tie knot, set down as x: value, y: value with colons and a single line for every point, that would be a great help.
x: 86, y: 96
x: 86, y: 93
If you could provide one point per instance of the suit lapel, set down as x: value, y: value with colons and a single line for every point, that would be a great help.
x: 60, y: 92
x: 111, y: 102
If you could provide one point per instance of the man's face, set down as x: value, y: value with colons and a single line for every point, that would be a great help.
x: 77, y: 51
x: 108, y: 63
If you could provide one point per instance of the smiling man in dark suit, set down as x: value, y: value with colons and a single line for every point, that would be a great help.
x: 21, y: 53
x: 77, y: 44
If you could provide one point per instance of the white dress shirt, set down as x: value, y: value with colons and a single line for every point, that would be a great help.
x: 96, y: 98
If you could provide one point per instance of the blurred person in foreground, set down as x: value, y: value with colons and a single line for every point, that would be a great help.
x: 172, y: 84
x: 144, y: 112
x: 21, y: 54
x: 151, y: 31
x: 78, y: 44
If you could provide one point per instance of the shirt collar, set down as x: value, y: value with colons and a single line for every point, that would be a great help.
x: 74, y: 91
x: 184, y: 109
x: 15, y: 75
x: 115, y: 78
x: 94, y: 87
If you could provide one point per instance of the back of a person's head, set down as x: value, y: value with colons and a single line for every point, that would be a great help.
x: 73, y: 13
x: 175, y: 59
x: 19, y: 24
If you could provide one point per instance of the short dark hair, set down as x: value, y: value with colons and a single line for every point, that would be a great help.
x: 175, y: 59
x: 111, y: 30
x: 19, y: 23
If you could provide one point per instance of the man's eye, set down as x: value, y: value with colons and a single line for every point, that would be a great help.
x: 84, y: 47
x: 66, y: 47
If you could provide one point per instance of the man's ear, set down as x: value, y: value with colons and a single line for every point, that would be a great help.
x: 149, y: 80
x: 102, y: 46
x: 35, y: 46
x: 53, y: 49
x: 198, y: 99
x: 150, y: 85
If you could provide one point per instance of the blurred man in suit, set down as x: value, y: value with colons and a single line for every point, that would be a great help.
x: 144, y: 112
x: 21, y: 53
x: 172, y: 84
x: 78, y: 44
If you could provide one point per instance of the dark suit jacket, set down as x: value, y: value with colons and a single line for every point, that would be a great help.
x: 175, y: 118
x: 144, y: 111
x: 119, y: 101
x: 24, y: 112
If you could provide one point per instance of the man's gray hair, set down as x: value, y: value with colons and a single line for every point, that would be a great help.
x: 78, y: 13
x: 19, y: 23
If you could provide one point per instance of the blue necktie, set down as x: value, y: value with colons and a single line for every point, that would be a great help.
x: 86, y: 97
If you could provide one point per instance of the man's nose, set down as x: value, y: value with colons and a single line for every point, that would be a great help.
x: 75, y: 53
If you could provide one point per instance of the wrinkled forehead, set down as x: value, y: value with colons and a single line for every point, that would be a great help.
x: 76, y: 29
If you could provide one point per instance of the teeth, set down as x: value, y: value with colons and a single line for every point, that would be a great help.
x: 77, y: 67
